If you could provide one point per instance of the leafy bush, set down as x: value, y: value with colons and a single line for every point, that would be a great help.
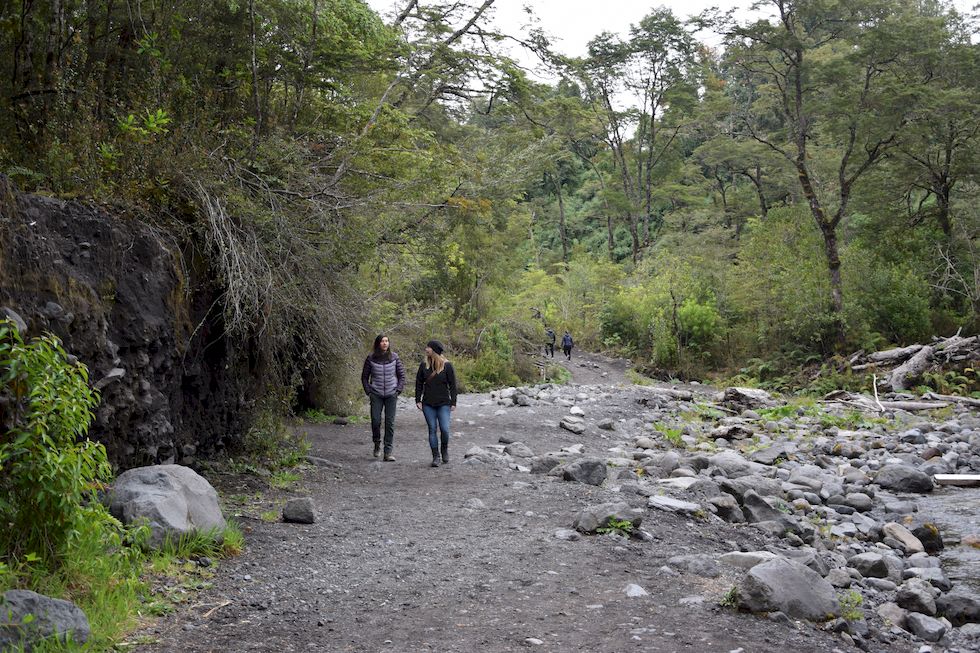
x: 700, y: 323
x: 49, y: 471
x: 493, y: 366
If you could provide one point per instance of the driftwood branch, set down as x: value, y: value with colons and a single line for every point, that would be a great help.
x: 911, y: 370
x: 902, y: 367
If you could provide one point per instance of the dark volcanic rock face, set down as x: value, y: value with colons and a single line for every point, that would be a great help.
x: 121, y: 296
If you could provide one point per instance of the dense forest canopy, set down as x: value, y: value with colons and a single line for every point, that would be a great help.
x: 807, y: 189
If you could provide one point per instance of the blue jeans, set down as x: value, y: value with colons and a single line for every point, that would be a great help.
x: 437, y: 416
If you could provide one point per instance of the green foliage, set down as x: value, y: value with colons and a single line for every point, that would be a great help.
x: 493, y: 366
x: 730, y: 600
x: 850, y: 605
x: 965, y: 383
x: 671, y: 434
x: 269, y: 441
x: 222, y: 543
x: 50, y: 471
x: 622, y: 527
x: 699, y: 323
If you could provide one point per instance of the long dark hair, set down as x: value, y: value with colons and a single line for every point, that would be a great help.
x: 377, y: 353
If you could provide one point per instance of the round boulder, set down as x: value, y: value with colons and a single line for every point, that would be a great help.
x: 172, y: 499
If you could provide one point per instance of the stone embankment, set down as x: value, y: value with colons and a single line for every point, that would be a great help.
x: 834, y: 489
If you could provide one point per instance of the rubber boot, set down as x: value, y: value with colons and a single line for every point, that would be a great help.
x: 435, y: 458
x: 445, y: 454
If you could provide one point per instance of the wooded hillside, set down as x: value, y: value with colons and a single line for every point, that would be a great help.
x: 806, y: 190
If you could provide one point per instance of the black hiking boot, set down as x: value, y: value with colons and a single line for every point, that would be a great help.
x: 388, y: 457
x: 445, y: 454
x: 435, y: 458
x: 377, y: 449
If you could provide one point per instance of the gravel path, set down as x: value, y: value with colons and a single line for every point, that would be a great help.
x: 464, y: 557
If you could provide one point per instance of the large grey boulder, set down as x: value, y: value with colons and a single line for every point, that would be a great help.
x: 902, y: 478
x: 926, y: 627
x: 788, y: 587
x: 733, y: 464
x: 916, y: 595
x: 960, y: 606
x: 172, y: 499
x: 741, y: 399
x: 52, y: 618
x: 757, y: 509
x: 591, y: 471
x: 869, y: 565
x: 544, y: 464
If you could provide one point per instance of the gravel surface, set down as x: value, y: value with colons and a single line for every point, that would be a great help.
x: 464, y: 557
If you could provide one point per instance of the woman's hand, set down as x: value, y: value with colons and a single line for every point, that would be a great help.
x: 452, y: 409
x: 418, y: 404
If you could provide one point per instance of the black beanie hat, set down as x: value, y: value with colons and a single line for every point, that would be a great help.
x: 435, y: 346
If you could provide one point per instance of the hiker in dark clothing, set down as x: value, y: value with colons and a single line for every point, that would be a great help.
x: 549, y: 342
x: 566, y: 345
x: 383, y: 379
x: 435, y: 396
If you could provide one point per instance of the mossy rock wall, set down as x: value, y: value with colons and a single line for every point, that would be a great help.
x: 133, y: 304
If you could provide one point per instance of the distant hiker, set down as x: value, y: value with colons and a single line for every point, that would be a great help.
x: 549, y: 343
x: 435, y: 396
x: 383, y: 379
x: 566, y: 345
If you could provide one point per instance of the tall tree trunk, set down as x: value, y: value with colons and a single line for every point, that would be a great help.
x: 256, y: 102
x: 635, y: 235
x: 52, y: 61
x: 610, y: 241
x: 307, y: 60
x: 562, y: 232
x: 757, y: 182
x: 828, y: 228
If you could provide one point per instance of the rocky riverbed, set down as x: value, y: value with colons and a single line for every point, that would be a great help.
x: 605, y: 516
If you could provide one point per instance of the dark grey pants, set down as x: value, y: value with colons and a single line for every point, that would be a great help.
x: 387, y: 404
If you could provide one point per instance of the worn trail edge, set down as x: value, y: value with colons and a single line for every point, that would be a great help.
x: 464, y: 557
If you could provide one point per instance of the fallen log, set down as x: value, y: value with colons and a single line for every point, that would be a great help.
x: 911, y: 370
x: 894, y: 355
x: 914, y: 405
x: 969, y: 401
x: 959, y: 480
x: 864, y: 366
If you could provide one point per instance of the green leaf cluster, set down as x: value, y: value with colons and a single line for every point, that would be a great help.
x: 50, y: 473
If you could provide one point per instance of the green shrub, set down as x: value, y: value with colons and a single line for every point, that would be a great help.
x: 49, y: 471
x: 493, y: 367
x: 58, y: 539
x: 699, y: 322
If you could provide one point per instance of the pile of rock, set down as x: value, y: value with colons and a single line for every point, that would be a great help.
x: 839, y: 504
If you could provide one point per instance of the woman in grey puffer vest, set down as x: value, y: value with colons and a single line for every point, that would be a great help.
x: 383, y: 379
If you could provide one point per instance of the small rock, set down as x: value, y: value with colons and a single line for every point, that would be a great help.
x: 299, y: 511
x: 633, y: 591
x: 904, y: 536
x: 567, y: 535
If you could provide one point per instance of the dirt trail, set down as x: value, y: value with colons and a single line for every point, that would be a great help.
x: 464, y: 557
